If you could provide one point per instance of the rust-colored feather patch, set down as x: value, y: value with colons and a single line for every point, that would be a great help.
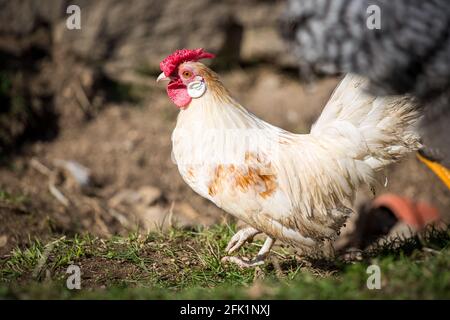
x: 190, y: 172
x: 216, y: 183
x: 252, y: 176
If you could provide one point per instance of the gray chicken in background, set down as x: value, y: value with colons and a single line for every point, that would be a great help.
x: 408, y: 54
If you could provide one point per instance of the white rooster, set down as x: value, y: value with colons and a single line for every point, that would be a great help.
x: 297, y: 188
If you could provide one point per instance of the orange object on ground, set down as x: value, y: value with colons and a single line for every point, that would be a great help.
x: 416, y: 214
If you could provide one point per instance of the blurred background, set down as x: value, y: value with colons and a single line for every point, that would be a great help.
x: 85, y: 131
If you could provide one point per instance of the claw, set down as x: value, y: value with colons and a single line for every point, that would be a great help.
x: 243, y: 263
x: 259, y: 260
x: 240, y: 238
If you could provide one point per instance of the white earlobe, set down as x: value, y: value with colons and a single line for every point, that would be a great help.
x: 196, y: 88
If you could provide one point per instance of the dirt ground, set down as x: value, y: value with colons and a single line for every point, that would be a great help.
x: 134, y: 185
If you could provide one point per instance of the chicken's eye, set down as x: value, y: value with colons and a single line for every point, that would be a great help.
x: 187, y: 74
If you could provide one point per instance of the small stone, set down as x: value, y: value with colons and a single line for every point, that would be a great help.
x: 3, y: 240
x: 77, y: 171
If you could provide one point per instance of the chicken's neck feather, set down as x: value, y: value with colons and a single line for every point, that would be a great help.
x: 216, y: 109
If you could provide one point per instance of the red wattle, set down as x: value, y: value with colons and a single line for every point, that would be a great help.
x: 177, y: 92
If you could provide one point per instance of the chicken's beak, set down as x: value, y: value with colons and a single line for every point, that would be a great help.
x: 162, y: 77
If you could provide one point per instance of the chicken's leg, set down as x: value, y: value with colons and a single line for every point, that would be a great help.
x: 259, y: 259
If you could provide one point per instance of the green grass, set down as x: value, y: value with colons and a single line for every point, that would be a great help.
x: 9, y: 198
x: 186, y: 264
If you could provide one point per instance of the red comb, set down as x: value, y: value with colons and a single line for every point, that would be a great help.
x: 170, y: 63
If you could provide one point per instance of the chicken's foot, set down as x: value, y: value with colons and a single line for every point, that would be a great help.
x: 257, y: 261
x: 242, y: 236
